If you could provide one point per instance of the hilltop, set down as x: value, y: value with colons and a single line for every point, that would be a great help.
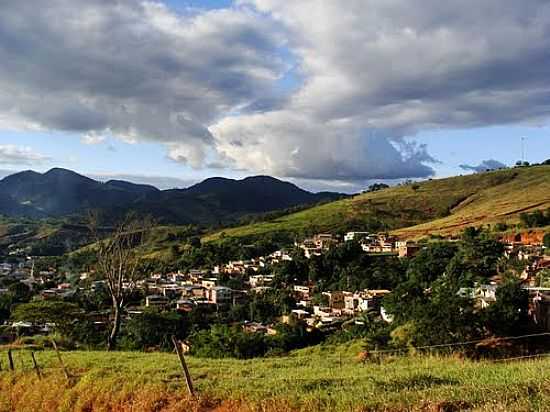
x: 61, y: 193
x: 438, y: 206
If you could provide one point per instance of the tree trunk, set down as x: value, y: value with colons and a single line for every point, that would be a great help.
x: 112, y: 339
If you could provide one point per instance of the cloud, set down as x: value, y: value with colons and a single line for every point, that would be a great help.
x: 212, y: 86
x: 20, y: 155
x: 133, y: 69
x: 92, y: 138
x: 489, y: 164
x: 392, y: 69
x: 160, y: 182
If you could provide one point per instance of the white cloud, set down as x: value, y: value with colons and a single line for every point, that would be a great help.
x: 92, y: 138
x: 390, y: 69
x: 12, y: 155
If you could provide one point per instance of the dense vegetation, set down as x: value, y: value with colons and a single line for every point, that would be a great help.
x: 538, y: 218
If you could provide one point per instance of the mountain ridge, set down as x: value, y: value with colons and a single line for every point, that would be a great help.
x: 214, y: 201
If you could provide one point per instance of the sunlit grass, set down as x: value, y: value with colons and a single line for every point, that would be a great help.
x: 441, y: 206
x: 319, y: 378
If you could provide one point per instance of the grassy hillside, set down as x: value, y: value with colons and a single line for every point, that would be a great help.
x: 316, y: 379
x: 434, y: 206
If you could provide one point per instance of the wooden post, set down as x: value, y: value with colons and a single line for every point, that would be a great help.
x: 35, y: 365
x: 65, y: 371
x: 186, y: 374
x: 10, y: 360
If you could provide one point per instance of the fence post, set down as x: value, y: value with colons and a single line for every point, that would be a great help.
x: 186, y: 374
x: 35, y: 365
x: 10, y: 360
x: 65, y: 371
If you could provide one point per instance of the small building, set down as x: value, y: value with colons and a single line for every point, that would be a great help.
x: 156, y: 301
x: 335, y: 299
x: 220, y: 295
x: 357, y: 236
x: 209, y: 283
x: 260, y: 280
x: 408, y: 250
x: 184, y: 305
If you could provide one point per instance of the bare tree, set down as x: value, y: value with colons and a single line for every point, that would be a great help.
x: 118, y: 262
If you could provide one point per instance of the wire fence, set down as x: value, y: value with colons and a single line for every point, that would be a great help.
x: 333, y: 364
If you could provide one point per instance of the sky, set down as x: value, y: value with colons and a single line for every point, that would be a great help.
x: 328, y: 94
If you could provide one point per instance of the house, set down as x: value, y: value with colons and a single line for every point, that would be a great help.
x: 156, y: 301
x: 299, y: 313
x: 485, y: 295
x: 350, y: 236
x: 193, y: 291
x: 351, y: 302
x: 335, y: 299
x: 409, y: 249
x: 209, y: 283
x: 220, y: 295
x: 303, y: 291
x: 260, y: 280
x: 185, y: 305
x: 172, y: 291
x: 254, y: 327
x: 539, y: 307
x: 317, y: 244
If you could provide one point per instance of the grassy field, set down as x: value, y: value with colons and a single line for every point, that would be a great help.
x: 441, y: 206
x: 314, y: 379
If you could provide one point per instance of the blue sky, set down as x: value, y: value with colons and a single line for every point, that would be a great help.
x: 215, y: 88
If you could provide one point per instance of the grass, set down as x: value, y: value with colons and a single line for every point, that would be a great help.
x: 440, y: 206
x: 323, y: 378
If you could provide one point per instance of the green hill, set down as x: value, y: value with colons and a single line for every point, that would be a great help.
x: 324, y: 378
x: 436, y: 206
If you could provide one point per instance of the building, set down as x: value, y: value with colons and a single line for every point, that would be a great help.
x: 189, y: 291
x: 335, y: 299
x: 185, y: 305
x: 156, y: 301
x: 220, y: 295
x: 260, y: 280
x: 209, y: 283
x: 409, y: 249
x: 355, y: 236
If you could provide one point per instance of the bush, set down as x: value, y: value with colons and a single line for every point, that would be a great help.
x: 153, y: 329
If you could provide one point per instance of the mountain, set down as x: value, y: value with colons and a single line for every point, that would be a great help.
x: 60, y: 192
x: 438, y: 206
x: 220, y: 201
x: 215, y: 201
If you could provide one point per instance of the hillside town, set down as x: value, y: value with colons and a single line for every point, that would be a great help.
x: 184, y: 291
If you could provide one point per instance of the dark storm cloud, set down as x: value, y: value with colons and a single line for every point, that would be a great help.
x: 490, y: 164
x: 132, y: 68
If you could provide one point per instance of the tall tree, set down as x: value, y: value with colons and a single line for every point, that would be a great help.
x: 118, y: 263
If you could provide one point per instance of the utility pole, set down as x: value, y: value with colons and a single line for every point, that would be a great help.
x: 523, y: 149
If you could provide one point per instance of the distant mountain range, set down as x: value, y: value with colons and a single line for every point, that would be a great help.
x: 61, y: 192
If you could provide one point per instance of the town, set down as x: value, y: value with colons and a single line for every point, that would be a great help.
x: 220, y: 288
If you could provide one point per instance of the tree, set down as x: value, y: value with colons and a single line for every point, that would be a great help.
x: 5, y: 307
x: 20, y: 292
x: 62, y: 314
x: 508, y: 315
x: 118, y: 263
x: 152, y: 328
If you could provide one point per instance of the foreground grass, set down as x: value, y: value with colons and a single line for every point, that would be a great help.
x: 315, y: 379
